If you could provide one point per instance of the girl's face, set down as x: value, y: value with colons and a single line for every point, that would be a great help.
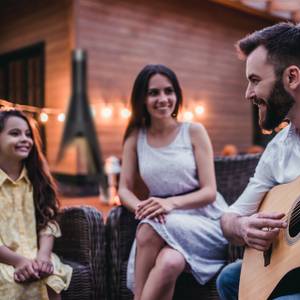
x: 15, y: 139
x: 161, y: 98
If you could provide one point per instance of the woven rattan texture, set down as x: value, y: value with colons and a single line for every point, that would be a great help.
x: 83, y: 245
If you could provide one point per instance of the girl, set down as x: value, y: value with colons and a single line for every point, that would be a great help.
x: 28, y: 211
x: 179, y: 228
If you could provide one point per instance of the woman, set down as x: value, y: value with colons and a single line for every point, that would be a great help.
x: 179, y: 228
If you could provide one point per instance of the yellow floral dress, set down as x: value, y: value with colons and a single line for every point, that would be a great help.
x: 18, y: 233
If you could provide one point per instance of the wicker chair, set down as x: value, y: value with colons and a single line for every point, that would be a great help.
x: 232, y: 175
x: 82, y: 246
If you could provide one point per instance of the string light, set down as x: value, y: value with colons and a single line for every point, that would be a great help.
x: 188, y: 116
x: 61, y: 117
x: 125, y: 113
x: 44, y: 117
x: 199, y: 110
x: 93, y: 111
x: 106, y: 112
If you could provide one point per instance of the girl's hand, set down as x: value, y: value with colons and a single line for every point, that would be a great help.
x: 26, y: 270
x: 153, y: 207
x: 45, y: 265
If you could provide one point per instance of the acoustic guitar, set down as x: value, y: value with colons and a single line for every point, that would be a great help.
x: 262, y: 271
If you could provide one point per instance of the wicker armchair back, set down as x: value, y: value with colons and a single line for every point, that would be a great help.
x: 233, y: 173
x: 82, y: 246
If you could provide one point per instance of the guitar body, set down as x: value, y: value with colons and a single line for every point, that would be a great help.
x: 258, y: 281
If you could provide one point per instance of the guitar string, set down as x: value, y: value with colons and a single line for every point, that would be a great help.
x: 296, y: 212
x: 295, y: 216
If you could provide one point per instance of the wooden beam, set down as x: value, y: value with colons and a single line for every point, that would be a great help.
x: 236, y: 4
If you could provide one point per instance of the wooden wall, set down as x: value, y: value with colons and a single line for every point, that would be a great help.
x: 23, y: 23
x: 194, y: 38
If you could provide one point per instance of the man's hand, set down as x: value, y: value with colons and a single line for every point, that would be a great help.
x: 153, y: 208
x: 26, y: 270
x: 260, y: 230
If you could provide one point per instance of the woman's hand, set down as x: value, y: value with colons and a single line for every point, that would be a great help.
x: 154, y: 208
x: 45, y: 265
x: 26, y: 270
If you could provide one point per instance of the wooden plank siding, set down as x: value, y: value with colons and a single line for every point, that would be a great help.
x: 24, y: 23
x: 194, y: 38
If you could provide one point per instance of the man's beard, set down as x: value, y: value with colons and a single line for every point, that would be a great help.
x: 278, y: 105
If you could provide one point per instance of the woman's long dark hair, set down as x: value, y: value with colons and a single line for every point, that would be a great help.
x: 140, y: 116
x: 44, y: 191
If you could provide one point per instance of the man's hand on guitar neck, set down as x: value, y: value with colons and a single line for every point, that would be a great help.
x: 257, y: 231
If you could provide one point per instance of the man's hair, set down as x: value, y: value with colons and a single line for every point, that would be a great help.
x: 282, y: 42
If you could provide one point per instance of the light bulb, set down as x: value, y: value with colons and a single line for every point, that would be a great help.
x: 188, y: 116
x: 125, y: 113
x: 44, y: 117
x: 61, y: 117
x: 106, y: 112
x: 199, y: 110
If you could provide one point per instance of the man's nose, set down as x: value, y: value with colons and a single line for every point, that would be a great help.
x: 249, y: 94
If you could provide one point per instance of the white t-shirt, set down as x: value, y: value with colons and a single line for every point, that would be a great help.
x: 280, y: 163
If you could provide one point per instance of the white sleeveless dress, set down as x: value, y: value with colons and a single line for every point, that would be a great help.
x: 195, y: 233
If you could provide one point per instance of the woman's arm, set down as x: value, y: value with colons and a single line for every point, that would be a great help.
x: 129, y: 173
x: 205, y: 167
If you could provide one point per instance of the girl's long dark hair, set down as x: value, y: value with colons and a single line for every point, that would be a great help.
x: 44, y: 190
x: 140, y: 116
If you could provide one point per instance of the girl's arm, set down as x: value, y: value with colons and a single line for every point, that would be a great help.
x: 205, y: 167
x: 129, y: 172
x: 9, y: 257
x: 43, y: 258
x: 25, y: 269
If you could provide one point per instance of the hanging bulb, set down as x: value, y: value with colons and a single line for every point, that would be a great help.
x: 44, y: 117
x: 61, y: 117
x: 199, y: 110
x: 106, y: 112
x: 125, y: 113
x: 93, y: 111
x: 188, y: 116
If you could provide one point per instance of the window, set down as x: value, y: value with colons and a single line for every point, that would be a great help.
x: 22, y: 76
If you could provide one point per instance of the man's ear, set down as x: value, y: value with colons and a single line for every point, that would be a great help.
x: 291, y: 77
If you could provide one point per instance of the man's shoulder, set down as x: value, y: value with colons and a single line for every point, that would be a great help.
x: 276, y: 146
x: 280, y: 138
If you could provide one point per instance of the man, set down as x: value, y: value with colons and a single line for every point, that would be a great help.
x: 273, y: 71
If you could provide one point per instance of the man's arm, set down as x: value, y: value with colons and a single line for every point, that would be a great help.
x: 231, y: 228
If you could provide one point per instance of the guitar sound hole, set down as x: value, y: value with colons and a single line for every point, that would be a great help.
x: 294, y: 225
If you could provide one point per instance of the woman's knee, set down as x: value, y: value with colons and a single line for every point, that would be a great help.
x: 146, y: 236
x: 170, y: 262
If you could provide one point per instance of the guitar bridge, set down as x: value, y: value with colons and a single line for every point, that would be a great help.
x: 267, y: 256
